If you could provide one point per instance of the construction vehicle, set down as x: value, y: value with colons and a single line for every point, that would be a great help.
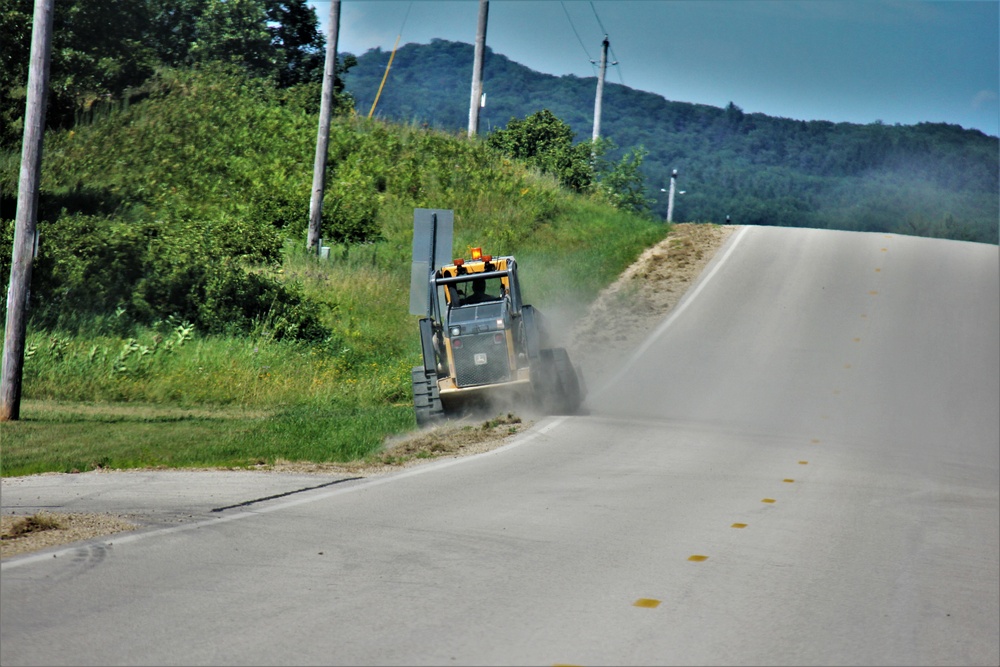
x: 481, y: 345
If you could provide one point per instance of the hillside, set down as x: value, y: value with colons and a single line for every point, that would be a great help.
x: 210, y: 176
x: 929, y: 179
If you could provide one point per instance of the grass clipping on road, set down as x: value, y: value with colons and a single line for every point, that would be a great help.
x: 24, y: 534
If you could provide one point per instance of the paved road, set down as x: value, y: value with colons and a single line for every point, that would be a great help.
x: 800, y: 467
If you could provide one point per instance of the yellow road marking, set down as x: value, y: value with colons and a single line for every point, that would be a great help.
x: 739, y: 525
x: 767, y: 500
x: 648, y: 603
x: 697, y: 558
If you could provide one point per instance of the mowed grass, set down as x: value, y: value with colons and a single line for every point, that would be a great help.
x: 56, y: 437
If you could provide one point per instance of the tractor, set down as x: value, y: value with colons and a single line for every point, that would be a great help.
x: 481, y: 344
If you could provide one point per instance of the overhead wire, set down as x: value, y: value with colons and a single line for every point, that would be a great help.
x: 614, y: 58
x: 582, y: 45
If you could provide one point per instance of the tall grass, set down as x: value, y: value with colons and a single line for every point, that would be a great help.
x: 101, y: 390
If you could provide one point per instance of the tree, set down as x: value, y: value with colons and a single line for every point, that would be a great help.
x: 173, y: 28
x: 623, y: 182
x: 545, y: 142
x: 102, y: 49
x: 235, y: 32
x: 294, y: 30
x: 99, y: 49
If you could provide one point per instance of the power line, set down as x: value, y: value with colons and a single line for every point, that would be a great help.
x: 587, y: 53
x: 598, y: 18
x: 614, y: 56
x: 406, y: 16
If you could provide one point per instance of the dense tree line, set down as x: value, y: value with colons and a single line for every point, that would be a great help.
x: 929, y: 179
x: 104, y: 52
x: 176, y: 163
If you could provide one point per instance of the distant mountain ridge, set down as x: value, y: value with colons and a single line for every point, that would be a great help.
x: 929, y: 179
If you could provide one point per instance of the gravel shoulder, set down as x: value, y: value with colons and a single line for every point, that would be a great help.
x: 621, y: 317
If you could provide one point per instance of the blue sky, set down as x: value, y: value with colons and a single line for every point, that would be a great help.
x: 857, y: 61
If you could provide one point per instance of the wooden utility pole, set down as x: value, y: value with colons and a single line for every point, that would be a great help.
x: 323, y: 134
x: 600, y: 88
x: 25, y: 224
x: 477, y: 69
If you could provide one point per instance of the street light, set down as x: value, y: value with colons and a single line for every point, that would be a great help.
x: 670, y: 197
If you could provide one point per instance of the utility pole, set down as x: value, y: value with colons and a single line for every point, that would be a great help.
x: 477, y: 69
x: 323, y: 134
x: 670, y: 197
x: 600, y: 88
x: 26, y: 219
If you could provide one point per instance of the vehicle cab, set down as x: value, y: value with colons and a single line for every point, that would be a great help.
x: 479, y: 305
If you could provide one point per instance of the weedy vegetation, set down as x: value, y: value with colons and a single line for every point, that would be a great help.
x: 176, y: 318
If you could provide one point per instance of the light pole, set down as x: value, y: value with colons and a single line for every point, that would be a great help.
x: 670, y: 197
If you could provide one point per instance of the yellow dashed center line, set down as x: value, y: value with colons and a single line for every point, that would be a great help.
x: 697, y: 558
x: 647, y: 603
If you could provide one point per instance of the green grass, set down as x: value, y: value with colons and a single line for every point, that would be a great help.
x: 78, y: 437
x: 101, y: 391
x: 165, y: 396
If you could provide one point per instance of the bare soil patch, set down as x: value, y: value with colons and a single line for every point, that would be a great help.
x: 621, y: 317
x: 628, y: 310
x: 24, y: 534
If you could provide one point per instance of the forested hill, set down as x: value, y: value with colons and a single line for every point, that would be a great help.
x: 929, y: 179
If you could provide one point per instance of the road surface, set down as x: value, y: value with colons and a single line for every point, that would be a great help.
x: 800, y: 466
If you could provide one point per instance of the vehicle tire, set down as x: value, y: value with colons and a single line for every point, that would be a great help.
x: 570, y: 393
x: 545, y: 381
x: 426, y: 399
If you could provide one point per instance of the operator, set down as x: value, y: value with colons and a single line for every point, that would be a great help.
x: 478, y: 293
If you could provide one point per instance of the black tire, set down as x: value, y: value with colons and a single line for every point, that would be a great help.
x: 570, y: 393
x: 544, y: 381
x: 555, y: 382
x: 426, y: 399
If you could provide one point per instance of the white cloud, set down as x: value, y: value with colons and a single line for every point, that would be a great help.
x: 983, y: 99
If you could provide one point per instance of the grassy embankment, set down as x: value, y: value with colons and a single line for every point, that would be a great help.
x: 106, y: 390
